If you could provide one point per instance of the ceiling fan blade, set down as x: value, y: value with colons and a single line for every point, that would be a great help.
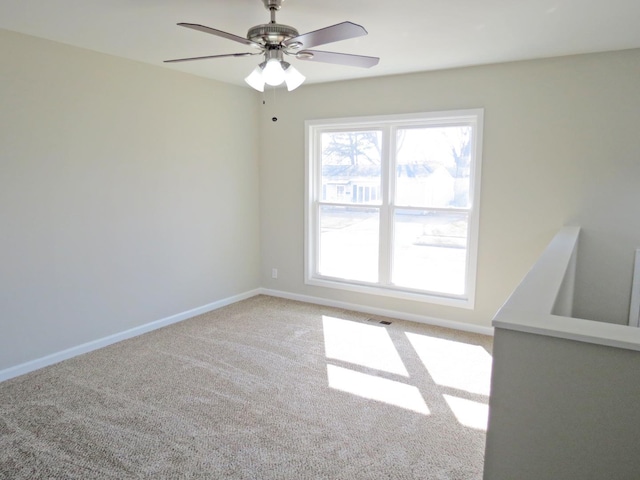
x: 211, y: 56
x: 334, y: 33
x: 220, y: 33
x: 338, y: 58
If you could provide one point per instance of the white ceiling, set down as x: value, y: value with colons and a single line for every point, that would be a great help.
x: 407, y: 35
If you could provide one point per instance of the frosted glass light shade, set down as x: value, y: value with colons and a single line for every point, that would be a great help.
x: 255, y: 79
x: 293, y: 78
x: 273, y: 74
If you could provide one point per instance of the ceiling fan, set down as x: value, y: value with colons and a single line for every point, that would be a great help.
x: 275, y: 40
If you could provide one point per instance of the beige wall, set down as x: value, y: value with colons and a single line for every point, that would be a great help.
x: 560, y: 148
x: 128, y: 193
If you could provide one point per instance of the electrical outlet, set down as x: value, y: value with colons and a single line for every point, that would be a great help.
x: 274, y: 273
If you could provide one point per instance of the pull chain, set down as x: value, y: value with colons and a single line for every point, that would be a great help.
x: 264, y: 101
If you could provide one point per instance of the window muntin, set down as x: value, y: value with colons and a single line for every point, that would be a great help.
x: 392, y: 205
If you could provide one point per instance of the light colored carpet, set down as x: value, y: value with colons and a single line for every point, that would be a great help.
x: 263, y: 389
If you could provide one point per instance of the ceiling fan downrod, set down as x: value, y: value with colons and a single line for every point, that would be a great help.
x: 273, y: 6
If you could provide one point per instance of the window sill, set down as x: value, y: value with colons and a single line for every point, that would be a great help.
x: 450, y: 301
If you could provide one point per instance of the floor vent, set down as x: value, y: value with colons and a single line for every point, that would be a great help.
x: 375, y: 320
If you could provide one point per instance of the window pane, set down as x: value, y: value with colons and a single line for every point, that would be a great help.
x: 433, y: 166
x: 349, y: 243
x: 351, y: 167
x: 430, y: 250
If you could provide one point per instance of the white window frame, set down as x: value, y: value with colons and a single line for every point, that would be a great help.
x: 313, y: 180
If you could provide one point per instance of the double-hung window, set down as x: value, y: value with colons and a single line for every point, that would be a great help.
x: 392, y: 205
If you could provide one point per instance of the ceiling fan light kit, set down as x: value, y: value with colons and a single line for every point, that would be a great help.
x: 274, y: 71
x: 274, y: 40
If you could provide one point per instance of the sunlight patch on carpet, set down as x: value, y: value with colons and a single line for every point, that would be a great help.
x: 360, y: 344
x: 469, y: 413
x: 454, y: 364
x: 377, y: 388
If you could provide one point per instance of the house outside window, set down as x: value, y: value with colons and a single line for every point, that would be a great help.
x: 392, y: 205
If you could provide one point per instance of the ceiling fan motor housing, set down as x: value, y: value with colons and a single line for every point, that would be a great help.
x: 271, y: 33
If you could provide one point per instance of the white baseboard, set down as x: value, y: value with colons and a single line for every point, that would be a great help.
x: 466, y: 327
x: 38, y: 363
